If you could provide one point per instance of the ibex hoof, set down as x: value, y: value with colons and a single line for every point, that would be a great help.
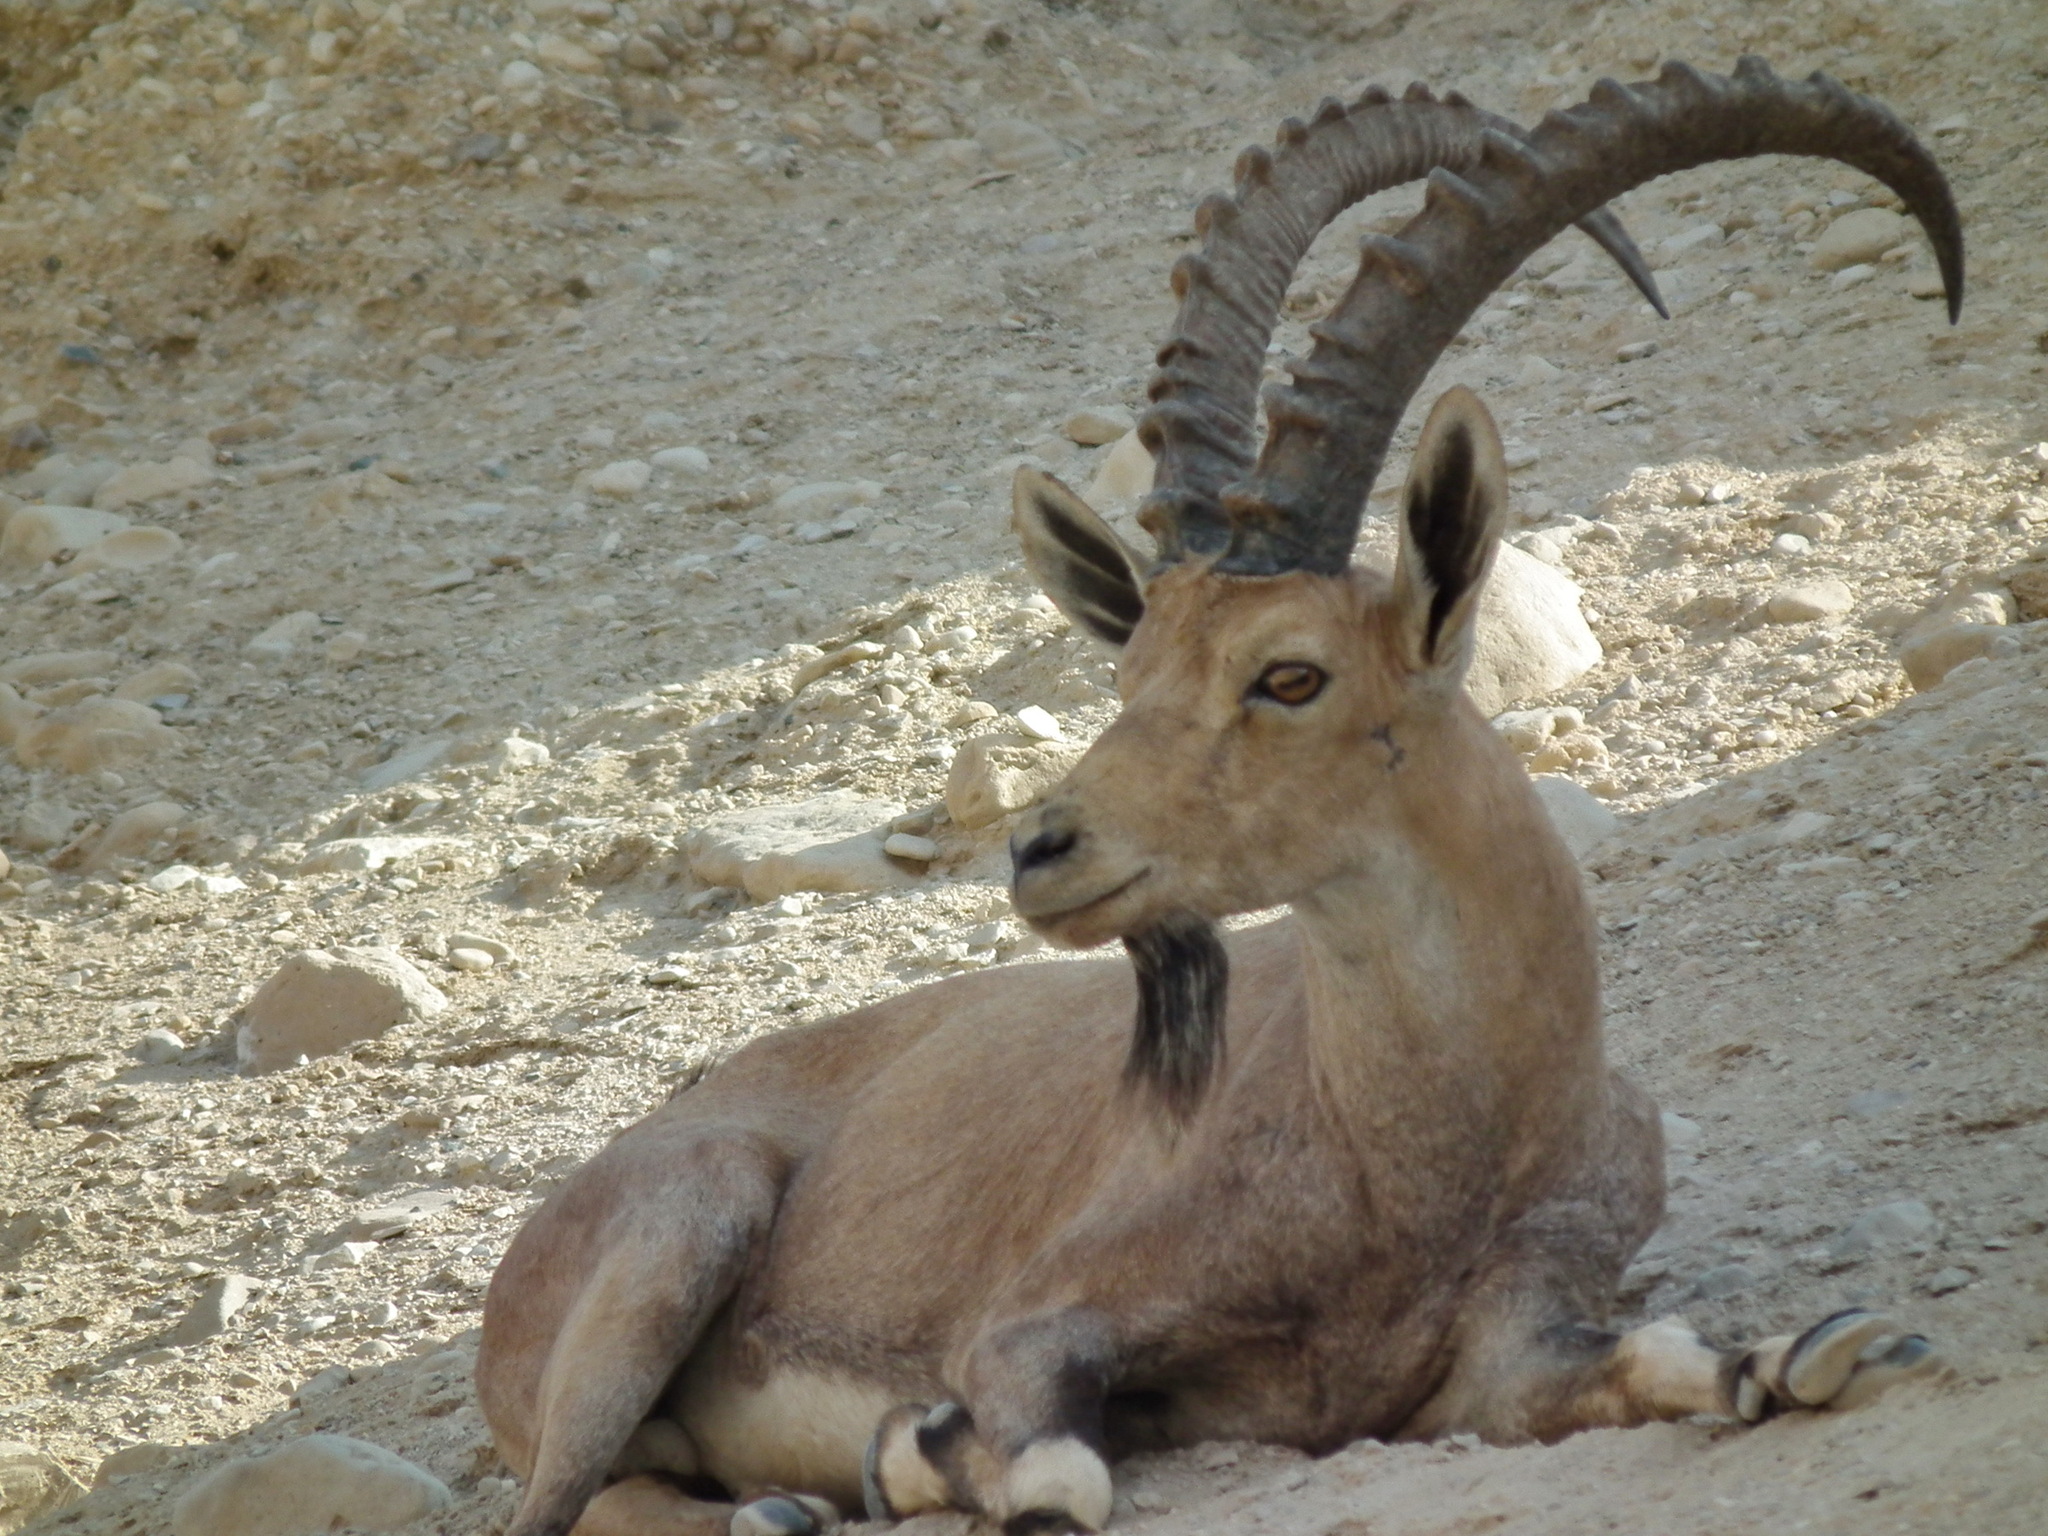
x: 784, y: 1514
x: 1842, y: 1362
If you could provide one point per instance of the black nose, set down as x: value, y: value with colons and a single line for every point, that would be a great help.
x: 1049, y: 846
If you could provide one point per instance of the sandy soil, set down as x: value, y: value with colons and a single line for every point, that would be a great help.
x: 396, y: 302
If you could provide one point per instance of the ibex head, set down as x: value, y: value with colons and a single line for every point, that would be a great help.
x: 1293, y: 725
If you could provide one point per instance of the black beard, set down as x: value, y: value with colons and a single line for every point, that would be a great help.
x: 1177, y: 1041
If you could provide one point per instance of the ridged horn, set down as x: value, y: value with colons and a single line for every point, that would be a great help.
x: 1201, y: 426
x: 1329, y: 430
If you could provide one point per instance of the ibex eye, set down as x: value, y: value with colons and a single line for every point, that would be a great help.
x: 1291, y: 682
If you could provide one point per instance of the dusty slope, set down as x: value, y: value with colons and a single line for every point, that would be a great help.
x: 412, y: 367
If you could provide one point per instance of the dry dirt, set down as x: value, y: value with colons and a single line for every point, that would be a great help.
x: 417, y: 298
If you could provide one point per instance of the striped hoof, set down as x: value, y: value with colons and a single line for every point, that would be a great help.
x: 1842, y: 1362
x: 784, y: 1514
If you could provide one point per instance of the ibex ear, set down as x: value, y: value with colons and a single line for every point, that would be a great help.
x: 1090, y: 573
x: 1452, y: 512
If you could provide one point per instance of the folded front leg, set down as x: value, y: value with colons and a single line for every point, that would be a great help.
x: 1025, y: 1448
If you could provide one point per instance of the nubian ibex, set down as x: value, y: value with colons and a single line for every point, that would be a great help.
x: 1362, y: 1171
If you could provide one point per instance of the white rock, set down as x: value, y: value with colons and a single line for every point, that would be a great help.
x: 1094, y: 425
x: 817, y: 498
x: 32, y: 1485
x: 45, y: 667
x: 1897, y: 1224
x: 831, y: 842
x: 1015, y: 145
x: 466, y: 959
x: 1582, y: 821
x: 1532, y: 639
x: 563, y: 54
x: 157, y: 1048
x: 621, y: 478
x: 223, y: 1298
x: 1123, y: 478
x: 908, y: 845
x: 1858, y: 238
x: 1929, y: 658
x: 520, y: 75
x: 346, y: 855
x: 1039, y: 723
x: 175, y: 877
x: 688, y: 461
x: 147, y: 482
x: 1803, y: 604
x: 285, y: 636
x: 127, y: 549
x: 36, y: 534
x: 1680, y: 1132
x: 315, y: 1484
x: 993, y: 776
x: 320, y: 1002
x: 515, y: 754
x: 408, y: 763
x: 1791, y: 545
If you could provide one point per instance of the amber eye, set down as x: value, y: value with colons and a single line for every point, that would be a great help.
x: 1291, y: 682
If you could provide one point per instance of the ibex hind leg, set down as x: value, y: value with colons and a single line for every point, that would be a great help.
x: 1567, y: 1377
x: 655, y: 1272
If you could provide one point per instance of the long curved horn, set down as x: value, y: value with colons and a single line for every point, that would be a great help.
x: 1329, y: 430
x: 1205, y: 395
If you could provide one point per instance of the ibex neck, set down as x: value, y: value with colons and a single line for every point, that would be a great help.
x: 1453, y: 994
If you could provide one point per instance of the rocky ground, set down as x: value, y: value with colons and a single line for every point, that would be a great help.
x: 515, y: 463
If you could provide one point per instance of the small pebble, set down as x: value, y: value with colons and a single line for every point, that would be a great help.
x: 906, y: 845
x: 1094, y: 425
x: 1040, y: 723
x: 471, y: 959
x: 158, y: 1047
x: 1791, y: 544
x: 691, y: 461
x: 621, y: 478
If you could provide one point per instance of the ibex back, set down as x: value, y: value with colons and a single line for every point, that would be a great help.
x: 1361, y: 1171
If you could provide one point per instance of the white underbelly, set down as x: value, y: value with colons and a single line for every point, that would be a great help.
x: 797, y: 1431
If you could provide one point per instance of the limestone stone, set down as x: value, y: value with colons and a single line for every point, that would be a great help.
x: 1896, y: 1224
x: 286, y: 635
x: 158, y: 680
x: 46, y: 667
x: 1859, y: 237
x: 133, y: 831
x: 621, y: 479
x: 223, y: 1297
x: 1582, y: 821
x: 314, y: 1485
x: 320, y: 1002
x: 158, y: 1048
x: 92, y: 734
x: 408, y: 763
x: 36, y: 534
x: 1094, y: 425
x: 994, y: 776
x: 1122, y: 479
x: 148, y: 482
x: 832, y: 842
x: 1929, y: 658
x: 347, y: 855
x: 1012, y: 144
x: 1804, y: 604
x: 688, y: 461
x: 1531, y: 637
x: 31, y: 1485
x: 128, y: 549
x: 515, y: 754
